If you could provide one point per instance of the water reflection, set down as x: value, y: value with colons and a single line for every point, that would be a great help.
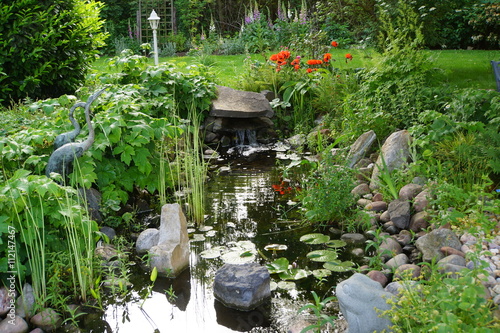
x: 241, y: 205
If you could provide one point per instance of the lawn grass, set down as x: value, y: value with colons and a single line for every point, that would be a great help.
x: 462, y: 68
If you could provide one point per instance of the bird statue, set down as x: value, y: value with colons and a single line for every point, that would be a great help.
x: 62, y: 158
x: 68, y: 137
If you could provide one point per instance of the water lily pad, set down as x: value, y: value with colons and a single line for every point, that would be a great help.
x: 198, y: 238
x: 336, y: 243
x: 211, y: 253
x: 338, y: 266
x: 275, y: 247
x: 321, y: 273
x: 191, y: 230
x: 286, y: 285
x: 273, y: 286
x: 322, y: 255
x: 234, y: 257
x: 278, y: 266
x: 294, y: 274
x: 206, y: 228
x: 315, y: 238
x: 211, y: 233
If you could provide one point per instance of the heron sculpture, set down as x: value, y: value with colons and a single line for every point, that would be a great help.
x: 68, y: 137
x: 62, y: 158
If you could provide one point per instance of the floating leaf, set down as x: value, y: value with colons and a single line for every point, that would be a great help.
x: 210, y: 253
x: 286, y: 285
x: 206, y: 228
x: 211, y: 233
x: 339, y: 266
x: 294, y: 274
x: 275, y: 247
x: 234, y: 257
x: 321, y: 273
x: 278, y: 266
x: 198, y: 238
x: 322, y: 255
x: 315, y: 238
x: 336, y: 243
x: 273, y: 286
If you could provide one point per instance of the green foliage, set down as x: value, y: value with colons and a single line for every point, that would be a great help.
x: 47, y: 46
x: 394, y: 93
x: 47, y: 219
x: 317, y: 308
x: 444, y: 304
x: 485, y: 21
x: 327, y: 194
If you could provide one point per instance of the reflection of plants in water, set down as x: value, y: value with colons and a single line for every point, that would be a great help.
x: 317, y: 309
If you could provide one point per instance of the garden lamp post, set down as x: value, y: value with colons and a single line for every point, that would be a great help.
x: 154, y: 20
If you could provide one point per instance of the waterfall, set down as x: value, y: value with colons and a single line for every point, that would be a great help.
x: 240, y: 137
x: 252, y: 137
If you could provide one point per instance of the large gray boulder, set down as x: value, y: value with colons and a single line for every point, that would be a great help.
x: 430, y: 245
x: 361, y: 300
x: 360, y: 147
x: 168, y: 247
x: 395, y: 152
x: 234, y: 103
x: 13, y: 325
x: 242, y: 287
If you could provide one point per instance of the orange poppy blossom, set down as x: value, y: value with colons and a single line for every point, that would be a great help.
x: 335, y: 44
x: 348, y: 56
x: 327, y: 57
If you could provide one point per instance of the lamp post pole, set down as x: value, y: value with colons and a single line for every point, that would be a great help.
x: 154, y: 20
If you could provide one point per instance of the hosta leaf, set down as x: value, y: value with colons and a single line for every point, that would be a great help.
x: 315, y: 238
x: 322, y: 255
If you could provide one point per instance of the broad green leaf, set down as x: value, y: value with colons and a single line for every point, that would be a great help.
x: 278, y: 266
x: 210, y: 253
x: 294, y: 274
x: 336, y: 243
x: 234, y: 257
x: 322, y: 255
x: 315, y: 238
x: 338, y: 266
x: 286, y: 285
x: 321, y: 273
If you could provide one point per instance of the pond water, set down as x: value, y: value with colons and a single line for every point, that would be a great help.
x: 242, y: 205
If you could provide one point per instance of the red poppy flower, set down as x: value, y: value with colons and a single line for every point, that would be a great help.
x: 295, y: 62
x: 311, y: 62
x: 327, y: 57
x: 274, y: 57
x: 335, y: 44
x: 284, y: 54
x: 296, y: 67
x: 309, y: 70
x: 348, y: 56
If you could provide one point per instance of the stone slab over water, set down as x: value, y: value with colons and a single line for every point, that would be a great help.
x: 233, y: 103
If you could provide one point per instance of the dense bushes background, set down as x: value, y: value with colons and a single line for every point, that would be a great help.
x: 46, y: 46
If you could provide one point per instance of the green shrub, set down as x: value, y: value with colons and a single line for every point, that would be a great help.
x: 444, y: 304
x: 46, y: 46
x: 327, y: 193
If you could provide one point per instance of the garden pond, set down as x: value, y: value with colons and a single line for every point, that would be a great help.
x: 247, y: 209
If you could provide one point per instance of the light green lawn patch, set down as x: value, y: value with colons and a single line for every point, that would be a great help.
x: 463, y: 68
